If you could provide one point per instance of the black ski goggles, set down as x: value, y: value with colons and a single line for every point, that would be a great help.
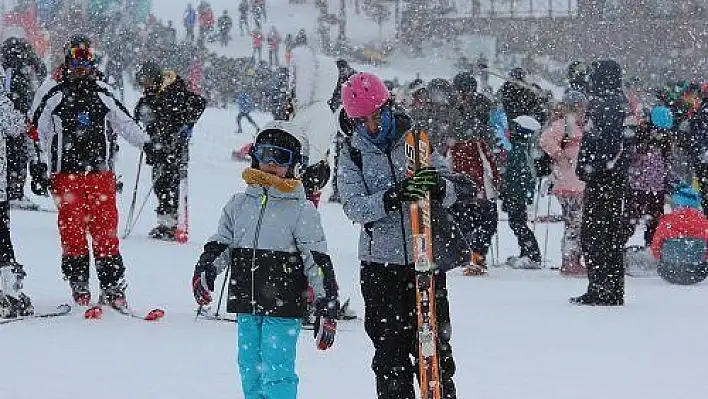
x: 266, y: 153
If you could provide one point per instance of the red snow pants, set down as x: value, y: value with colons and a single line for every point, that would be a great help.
x: 87, y: 205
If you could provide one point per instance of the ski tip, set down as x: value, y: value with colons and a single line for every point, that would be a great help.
x: 93, y: 313
x: 181, y: 236
x: 155, y: 315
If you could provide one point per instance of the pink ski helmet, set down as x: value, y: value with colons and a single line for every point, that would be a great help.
x: 363, y: 94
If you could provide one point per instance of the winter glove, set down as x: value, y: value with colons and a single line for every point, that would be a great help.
x: 40, y: 181
x: 413, y: 188
x: 326, y: 312
x: 203, y: 284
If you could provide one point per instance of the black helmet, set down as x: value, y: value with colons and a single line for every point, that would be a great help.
x: 518, y: 73
x: 578, y: 75
x: 440, y: 91
x: 149, y: 74
x: 465, y: 82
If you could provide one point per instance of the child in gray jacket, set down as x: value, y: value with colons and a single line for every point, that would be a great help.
x: 276, y: 245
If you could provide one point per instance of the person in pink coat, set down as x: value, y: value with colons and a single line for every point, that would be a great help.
x: 562, y: 142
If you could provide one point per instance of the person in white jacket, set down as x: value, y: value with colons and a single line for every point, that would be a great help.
x: 13, y: 301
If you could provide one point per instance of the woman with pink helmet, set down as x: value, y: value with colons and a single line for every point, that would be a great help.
x: 376, y: 193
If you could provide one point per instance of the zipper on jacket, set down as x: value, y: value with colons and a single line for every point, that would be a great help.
x: 264, y: 203
x: 400, y: 210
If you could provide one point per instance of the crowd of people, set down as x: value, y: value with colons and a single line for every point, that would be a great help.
x: 610, y: 157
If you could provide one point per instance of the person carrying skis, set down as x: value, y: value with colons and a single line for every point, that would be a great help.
x: 225, y: 23
x: 243, y: 16
x: 561, y: 141
x: 274, y: 40
x: 13, y: 302
x: 169, y: 110
x: 376, y: 193
x: 190, y: 21
x: 23, y: 69
x: 71, y: 123
x: 274, y: 239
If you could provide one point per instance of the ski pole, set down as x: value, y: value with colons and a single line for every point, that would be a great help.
x: 131, y: 210
x: 545, y: 243
x: 223, y: 288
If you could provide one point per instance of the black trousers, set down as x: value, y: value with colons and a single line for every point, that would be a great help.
x: 518, y: 222
x: 605, y: 230
x: 391, y: 324
x: 248, y: 117
x: 166, y: 177
x: 478, y: 221
x: 16, y: 166
x: 7, y: 252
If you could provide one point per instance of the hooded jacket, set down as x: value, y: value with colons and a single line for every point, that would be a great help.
x: 168, y: 110
x: 605, y: 150
x: 385, y: 237
x: 274, y: 243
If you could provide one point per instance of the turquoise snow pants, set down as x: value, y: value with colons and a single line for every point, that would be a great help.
x: 266, y: 356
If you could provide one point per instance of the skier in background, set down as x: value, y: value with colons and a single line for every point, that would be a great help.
x: 345, y: 71
x: 169, y: 111
x: 13, y: 301
x: 225, y: 23
x: 71, y: 123
x: 245, y: 107
x: 274, y: 40
x: 243, y: 8
x: 378, y: 200
x: 190, y: 21
x: 257, y: 44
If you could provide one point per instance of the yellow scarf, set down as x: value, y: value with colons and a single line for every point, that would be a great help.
x: 255, y: 176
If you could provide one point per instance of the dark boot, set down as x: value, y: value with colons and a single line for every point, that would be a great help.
x: 76, y: 271
x: 111, y: 273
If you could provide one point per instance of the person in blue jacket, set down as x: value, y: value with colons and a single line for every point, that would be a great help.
x: 245, y: 107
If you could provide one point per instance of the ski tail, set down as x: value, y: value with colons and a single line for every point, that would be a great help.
x: 418, y: 156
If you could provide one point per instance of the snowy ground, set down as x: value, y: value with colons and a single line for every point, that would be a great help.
x: 515, y: 335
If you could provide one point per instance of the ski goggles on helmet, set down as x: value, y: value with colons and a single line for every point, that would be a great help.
x: 80, y: 57
x: 266, y: 153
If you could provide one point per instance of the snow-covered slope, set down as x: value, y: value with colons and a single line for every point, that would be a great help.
x: 515, y: 335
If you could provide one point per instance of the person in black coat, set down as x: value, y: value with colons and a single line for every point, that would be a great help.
x: 169, y: 111
x: 518, y: 98
x: 23, y: 70
x: 603, y: 163
x: 345, y: 71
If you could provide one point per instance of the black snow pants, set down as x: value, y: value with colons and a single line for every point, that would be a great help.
x: 16, y: 166
x: 518, y: 222
x: 391, y: 324
x: 7, y: 252
x: 604, y: 233
x: 478, y: 221
x: 165, y: 175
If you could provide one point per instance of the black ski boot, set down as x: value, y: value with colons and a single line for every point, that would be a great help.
x: 13, y: 302
x: 162, y: 232
x: 114, y: 295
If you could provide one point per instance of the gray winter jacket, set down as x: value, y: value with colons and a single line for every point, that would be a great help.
x: 385, y: 237
x: 275, y: 246
x: 12, y: 124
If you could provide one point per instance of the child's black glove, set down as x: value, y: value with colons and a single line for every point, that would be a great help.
x: 326, y: 312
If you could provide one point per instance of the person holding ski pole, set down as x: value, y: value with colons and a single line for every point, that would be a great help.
x: 169, y: 111
x: 376, y: 193
x: 71, y: 120
x: 276, y: 244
